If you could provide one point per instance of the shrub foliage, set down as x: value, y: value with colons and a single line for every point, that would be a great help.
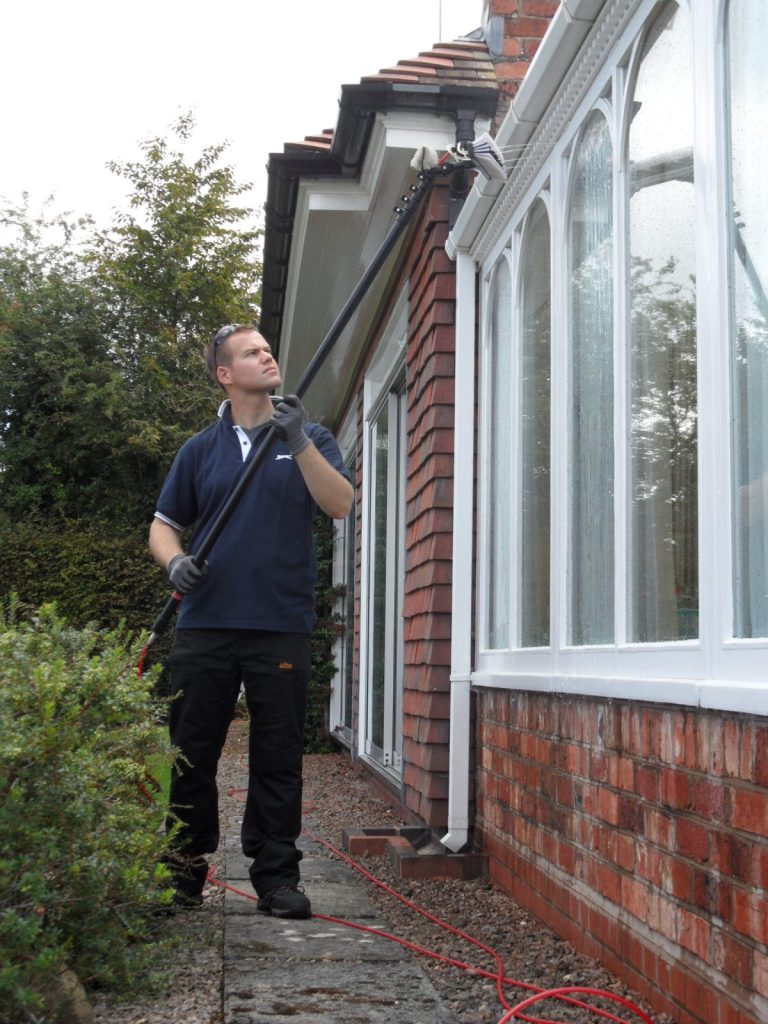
x: 80, y: 850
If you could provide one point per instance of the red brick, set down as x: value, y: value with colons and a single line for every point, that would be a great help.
x: 761, y: 756
x: 622, y: 773
x: 540, y: 8
x: 750, y: 914
x: 749, y: 810
x: 609, y: 883
x: 708, y: 800
x: 676, y: 790
x: 732, y: 957
x: 731, y: 748
x: 692, y: 840
x: 598, y: 766
x: 631, y: 815
x: 515, y: 69
x: 712, y: 894
x: 761, y: 973
x: 526, y: 28
x: 530, y: 46
x: 746, y: 751
x: 647, y: 782
x: 648, y: 863
x: 678, y: 878
x: 634, y: 898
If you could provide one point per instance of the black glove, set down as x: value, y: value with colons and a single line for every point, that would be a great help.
x: 185, y: 575
x: 288, y: 421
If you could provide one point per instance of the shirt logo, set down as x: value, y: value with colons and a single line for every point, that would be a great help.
x: 278, y: 457
x: 285, y: 666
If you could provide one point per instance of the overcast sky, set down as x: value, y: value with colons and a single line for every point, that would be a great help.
x: 83, y: 81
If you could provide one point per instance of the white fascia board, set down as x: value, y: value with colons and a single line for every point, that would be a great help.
x: 565, y: 35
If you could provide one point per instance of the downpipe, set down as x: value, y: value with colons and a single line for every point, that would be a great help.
x: 457, y: 836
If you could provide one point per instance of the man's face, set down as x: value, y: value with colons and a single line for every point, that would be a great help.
x: 250, y: 364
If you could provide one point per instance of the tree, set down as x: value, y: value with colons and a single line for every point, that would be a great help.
x: 176, y: 268
x: 58, y: 388
x: 101, y: 335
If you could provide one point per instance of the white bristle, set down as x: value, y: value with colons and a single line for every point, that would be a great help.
x: 424, y: 159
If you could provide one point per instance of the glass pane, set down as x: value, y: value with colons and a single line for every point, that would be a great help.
x: 663, y: 523
x: 380, y: 438
x: 534, y: 432
x: 499, y: 441
x: 747, y: 31
x: 590, y: 244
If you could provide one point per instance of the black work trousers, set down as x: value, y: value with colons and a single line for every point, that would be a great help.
x: 207, y: 669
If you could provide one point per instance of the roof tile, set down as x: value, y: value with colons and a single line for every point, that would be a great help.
x: 460, y: 62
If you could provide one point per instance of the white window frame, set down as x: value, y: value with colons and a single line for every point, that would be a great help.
x: 347, y: 440
x: 386, y: 370
x: 716, y: 670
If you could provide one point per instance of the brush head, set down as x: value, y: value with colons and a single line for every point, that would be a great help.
x: 487, y: 157
x: 424, y: 159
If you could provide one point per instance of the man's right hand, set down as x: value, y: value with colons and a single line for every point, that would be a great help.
x: 185, y: 575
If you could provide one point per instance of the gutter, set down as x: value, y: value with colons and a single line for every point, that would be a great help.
x: 564, y: 37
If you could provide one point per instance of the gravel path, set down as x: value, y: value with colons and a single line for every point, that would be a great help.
x: 337, y: 797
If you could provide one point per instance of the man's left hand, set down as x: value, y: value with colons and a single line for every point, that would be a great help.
x: 288, y: 421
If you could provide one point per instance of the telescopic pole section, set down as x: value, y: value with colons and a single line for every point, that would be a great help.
x: 404, y: 215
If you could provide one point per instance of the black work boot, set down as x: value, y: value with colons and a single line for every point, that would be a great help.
x: 286, y: 901
x: 188, y: 875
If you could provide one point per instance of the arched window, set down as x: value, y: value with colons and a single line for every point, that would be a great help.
x: 534, y: 404
x: 747, y: 76
x: 663, y: 478
x: 498, y: 433
x: 590, y: 405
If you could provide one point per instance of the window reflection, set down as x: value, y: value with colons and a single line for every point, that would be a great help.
x: 590, y: 234
x: 534, y: 431
x: 663, y: 523
x: 499, y: 439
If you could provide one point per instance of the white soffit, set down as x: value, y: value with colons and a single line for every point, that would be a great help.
x: 339, y: 226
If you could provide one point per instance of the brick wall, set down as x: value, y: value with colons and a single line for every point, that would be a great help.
x: 525, y: 22
x: 640, y: 834
x: 429, y: 516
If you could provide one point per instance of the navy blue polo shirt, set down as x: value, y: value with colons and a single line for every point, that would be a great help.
x: 262, y: 568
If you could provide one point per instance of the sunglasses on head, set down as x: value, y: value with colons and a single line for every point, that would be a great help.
x: 225, y: 332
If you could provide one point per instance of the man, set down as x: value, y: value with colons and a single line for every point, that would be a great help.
x: 246, y: 615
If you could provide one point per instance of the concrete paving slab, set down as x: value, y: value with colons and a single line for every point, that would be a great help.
x: 261, y: 936
x: 263, y: 992
x: 315, y: 971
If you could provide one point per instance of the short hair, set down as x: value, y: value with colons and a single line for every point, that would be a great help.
x: 217, y: 350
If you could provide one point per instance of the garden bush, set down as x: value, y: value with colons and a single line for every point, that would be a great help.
x: 80, y: 846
